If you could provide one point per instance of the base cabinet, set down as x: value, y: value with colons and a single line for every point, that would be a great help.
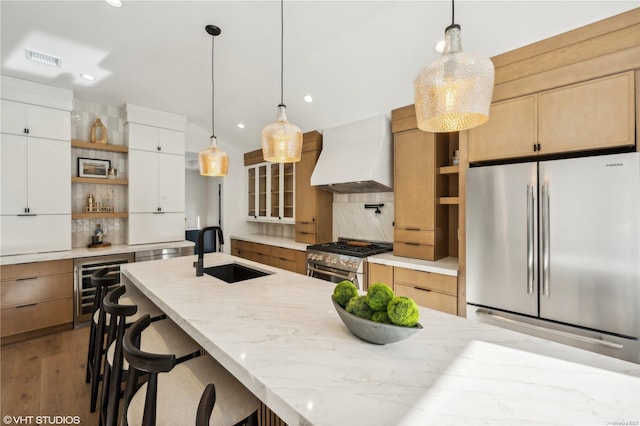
x: 377, y: 273
x: 428, y: 289
x: 35, y: 297
x: 279, y: 257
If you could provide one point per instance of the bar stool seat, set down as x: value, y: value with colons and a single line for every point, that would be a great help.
x: 175, y: 390
x: 145, y: 306
x: 163, y: 336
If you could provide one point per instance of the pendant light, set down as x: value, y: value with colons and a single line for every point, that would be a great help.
x: 213, y: 161
x: 454, y: 92
x: 281, y: 140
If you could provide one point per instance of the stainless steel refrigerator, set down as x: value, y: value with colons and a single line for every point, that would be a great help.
x: 553, y: 249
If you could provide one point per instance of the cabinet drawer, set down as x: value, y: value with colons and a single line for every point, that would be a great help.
x: 283, y: 253
x: 287, y: 264
x: 414, y: 235
x: 428, y: 299
x: 241, y: 245
x: 427, y: 280
x: 305, y: 237
x: 309, y: 228
x: 37, y: 269
x: 26, y: 291
x: 34, y: 317
x: 414, y: 251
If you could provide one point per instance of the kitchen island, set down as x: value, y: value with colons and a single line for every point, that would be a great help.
x: 281, y: 337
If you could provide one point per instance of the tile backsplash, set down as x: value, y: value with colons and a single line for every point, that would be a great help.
x: 83, y: 116
x: 352, y: 220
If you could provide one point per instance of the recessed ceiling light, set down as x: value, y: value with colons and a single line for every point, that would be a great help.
x: 240, y: 126
x: 114, y: 3
x: 43, y: 58
x: 308, y: 98
x: 439, y: 46
x: 88, y: 77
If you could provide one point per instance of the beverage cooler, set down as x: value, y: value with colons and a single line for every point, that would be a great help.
x: 84, y: 292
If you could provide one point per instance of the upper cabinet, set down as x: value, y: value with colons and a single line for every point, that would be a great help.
x: 35, y: 152
x: 150, y: 138
x: 270, y: 192
x: 595, y: 114
x: 156, y: 142
x: 314, y: 206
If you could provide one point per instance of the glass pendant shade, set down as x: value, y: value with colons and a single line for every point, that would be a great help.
x: 213, y: 161
x: 454, y: 92
x: 281, y: 140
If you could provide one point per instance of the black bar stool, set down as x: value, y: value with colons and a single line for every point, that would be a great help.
x: 162, y: 336
x: 172, y: 394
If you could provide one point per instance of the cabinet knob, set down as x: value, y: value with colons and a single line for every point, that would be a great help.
x: 159, y: 209
x: 26, y: 130
x: 313, y: 220
x: 159, y: 148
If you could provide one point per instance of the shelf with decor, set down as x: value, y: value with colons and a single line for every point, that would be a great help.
x: 76, y: 143
x: 99, y: 181
x: 100, y: 215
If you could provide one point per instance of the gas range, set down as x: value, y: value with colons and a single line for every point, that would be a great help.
x: 343, y: 259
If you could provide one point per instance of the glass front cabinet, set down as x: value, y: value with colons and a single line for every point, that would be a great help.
x: 270, y: 190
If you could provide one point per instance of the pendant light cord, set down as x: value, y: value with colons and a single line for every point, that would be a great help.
x: 453, y: 13
x: 213, y: 91
x: 281, y: 52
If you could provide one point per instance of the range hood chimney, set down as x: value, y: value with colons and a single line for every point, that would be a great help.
x: 356, y: 157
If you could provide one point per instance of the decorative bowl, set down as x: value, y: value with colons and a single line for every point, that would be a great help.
x: 374, y: 332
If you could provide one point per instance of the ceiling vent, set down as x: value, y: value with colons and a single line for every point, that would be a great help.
x: 43, y: 58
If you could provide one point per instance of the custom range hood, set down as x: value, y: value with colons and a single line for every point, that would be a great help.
x: 356, y: 157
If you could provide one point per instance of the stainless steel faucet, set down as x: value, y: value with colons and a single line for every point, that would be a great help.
x: 199, y: 264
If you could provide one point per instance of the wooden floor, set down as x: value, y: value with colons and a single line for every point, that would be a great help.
x: 45, y: 376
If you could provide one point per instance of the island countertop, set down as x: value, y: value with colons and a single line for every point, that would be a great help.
x: 281, y: 337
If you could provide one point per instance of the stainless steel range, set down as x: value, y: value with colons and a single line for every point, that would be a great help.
x: 343, y: 260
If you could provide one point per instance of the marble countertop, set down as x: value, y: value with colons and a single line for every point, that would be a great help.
x: 289, y: 243
x: 281, y: 337
x: 446, y: 266
x: 87, y: 252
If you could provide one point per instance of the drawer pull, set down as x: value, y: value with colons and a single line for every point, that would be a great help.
x: 422, y: 289
x: 412, y: 244
x: 282, y: 258
x: 412, y: 229
x: 304, y: 233
x: 26, y: 306
x: 27, y: 279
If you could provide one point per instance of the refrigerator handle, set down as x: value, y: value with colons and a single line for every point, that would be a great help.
x: 530, y: 247
x: 545, y: 240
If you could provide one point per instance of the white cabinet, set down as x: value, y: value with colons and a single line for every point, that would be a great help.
x: 271, y: 192
x: 156, y: 171
x: 150, y: 138
x: 35, y: 163
x: 35, y: 175
x: 156, y: 182
x: 35, y: 121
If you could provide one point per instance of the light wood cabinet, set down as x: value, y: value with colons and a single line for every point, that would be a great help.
x: 36, y: 298
x: 595, y: 114
x: 377, y: 273
x: 279, y: 257
x: 428, y: 289
x: 511, y: 131
x: 314, y: 206
x: 421, y: 221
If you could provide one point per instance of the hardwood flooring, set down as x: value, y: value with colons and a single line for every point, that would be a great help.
x: 45, y: 376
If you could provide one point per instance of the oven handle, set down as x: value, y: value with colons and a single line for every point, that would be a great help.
x: 323, y: 272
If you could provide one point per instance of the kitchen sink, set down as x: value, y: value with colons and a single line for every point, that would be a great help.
x: 233, y: 272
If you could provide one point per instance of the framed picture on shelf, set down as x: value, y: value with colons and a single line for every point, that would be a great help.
x: 93, y: 168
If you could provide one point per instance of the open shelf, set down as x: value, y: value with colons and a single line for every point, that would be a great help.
x: 99, y: 215
x: 75, y: 143
x: 100, y: 181
x: 448, y: 170
x: 449, y: 200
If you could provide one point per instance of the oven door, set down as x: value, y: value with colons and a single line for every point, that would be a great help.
x: 333, y: 275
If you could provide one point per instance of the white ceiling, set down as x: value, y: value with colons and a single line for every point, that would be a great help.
x: 356, y: 58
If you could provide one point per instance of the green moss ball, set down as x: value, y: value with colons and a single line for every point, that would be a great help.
x: 358, y: 306
x: 378, y: 296
x: 403, y: 311
x: 381, y: 316
x: 344, y: 291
